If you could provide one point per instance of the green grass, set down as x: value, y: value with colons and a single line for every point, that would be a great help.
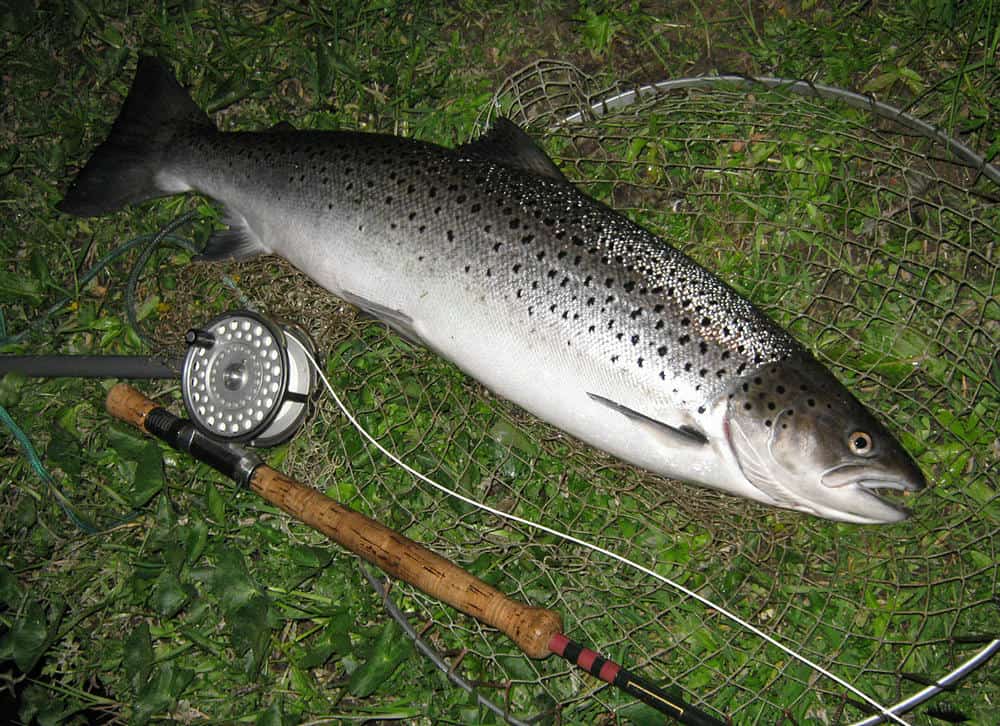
x: 199, y: 603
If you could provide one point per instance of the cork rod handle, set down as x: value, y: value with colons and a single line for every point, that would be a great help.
x: 531, y: 628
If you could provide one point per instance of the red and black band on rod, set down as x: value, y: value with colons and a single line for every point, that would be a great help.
x: 610, y: 672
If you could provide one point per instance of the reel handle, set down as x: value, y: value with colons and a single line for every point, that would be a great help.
x: 531, y: 628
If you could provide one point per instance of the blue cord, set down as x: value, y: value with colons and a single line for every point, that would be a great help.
x: 43, y: 474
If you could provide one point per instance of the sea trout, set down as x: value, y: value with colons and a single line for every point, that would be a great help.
x: 487, y: 255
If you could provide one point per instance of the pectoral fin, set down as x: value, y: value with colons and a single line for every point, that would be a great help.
x: 684, y: 435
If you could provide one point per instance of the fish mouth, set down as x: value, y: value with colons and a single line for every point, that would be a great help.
x: 874, y: 493
x: 873, y: 508
x: 871, y: 478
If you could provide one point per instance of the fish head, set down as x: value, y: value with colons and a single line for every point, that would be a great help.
x: 805, y: 442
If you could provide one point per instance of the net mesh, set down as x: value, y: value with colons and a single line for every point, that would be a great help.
x: 872, y: 247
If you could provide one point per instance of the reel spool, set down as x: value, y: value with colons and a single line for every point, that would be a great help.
x: 246, y: 379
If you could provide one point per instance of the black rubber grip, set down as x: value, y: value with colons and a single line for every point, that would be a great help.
x: 228, y: 459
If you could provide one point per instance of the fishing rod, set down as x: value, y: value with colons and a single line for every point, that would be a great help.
x: 536, y: 631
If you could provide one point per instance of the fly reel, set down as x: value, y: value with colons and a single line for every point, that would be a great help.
x: 246, y: 379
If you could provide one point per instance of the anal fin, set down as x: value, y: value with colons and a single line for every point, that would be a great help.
x: 239, y: 242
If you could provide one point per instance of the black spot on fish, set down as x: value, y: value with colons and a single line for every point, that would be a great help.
x: 635, y: 340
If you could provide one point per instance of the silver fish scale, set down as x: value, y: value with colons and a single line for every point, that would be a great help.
x: 568, y: 264
x: 587, y: 275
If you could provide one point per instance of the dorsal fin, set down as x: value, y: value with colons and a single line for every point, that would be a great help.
x: 507, y: 143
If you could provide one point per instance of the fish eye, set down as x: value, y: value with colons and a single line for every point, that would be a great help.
x: 860, y: 442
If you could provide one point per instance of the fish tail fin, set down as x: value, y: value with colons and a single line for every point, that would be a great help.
x: 123, y: 170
